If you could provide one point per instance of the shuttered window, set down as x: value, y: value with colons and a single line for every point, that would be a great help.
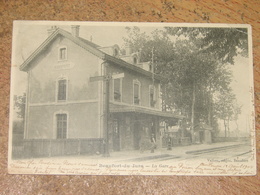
x: 136, y: 93
x: 62, y: 90
x: 61, y: 120
x: 117, y: 90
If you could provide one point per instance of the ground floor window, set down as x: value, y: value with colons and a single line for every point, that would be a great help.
x: 61, y: 121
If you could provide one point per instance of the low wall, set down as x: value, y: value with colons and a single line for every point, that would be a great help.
x: 34, y: 148
x: 176, y: 141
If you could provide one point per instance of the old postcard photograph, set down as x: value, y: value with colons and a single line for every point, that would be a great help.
x: 106, y: 98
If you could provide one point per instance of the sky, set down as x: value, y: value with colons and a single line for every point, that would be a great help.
x: 28, y: 35
x: 241, y: 87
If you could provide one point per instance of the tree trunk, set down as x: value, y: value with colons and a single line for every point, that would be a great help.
x: 237, y: 129
x: 209, y: 106
x: 209, y: 111
x: 228, y: 127
x: 192, y: 112
x: 164, y: 96
x: 225, y: 125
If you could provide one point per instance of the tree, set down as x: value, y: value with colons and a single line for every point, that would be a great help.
x: 227, y: 109
x: 223, y: 43
x: 194, y: 66
x: 19, y: 105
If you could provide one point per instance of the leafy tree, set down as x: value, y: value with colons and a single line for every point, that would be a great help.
x: 227, y: 109
x: 223, y: 43
x: 193, y: 66
x: 19, y: 105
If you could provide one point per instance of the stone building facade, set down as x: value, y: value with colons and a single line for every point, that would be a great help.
x: 64, y: 104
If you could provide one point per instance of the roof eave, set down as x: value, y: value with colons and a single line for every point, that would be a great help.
x: 132, y: 67
x: 148, y: 111
x: 25, y: 66
x: 77, y: 40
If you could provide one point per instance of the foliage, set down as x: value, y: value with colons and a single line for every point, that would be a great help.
x: 18, y: 127
x: 226, y: 108
x: 194, y: 65
x: 223, y: 43
x: 19, y: 105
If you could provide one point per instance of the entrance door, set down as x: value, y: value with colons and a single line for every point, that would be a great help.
x: 137, y: 136
x: 116, y: 136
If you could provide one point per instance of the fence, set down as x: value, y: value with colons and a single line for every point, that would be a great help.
x: 176, y: 141
x: 230, y: 139
x: 33, y: 148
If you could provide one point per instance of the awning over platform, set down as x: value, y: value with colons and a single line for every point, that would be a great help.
x: 142, y: 110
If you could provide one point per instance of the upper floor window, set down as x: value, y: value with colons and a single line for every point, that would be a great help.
x: 152, y: 99
x: 116, y: 52
x: 117, y: 90
x: 62, y: 53
x: 135, y: 60
x: 62, y: 90
x: 150, y: 67
x: 61, y: 122
x: 137, y: 93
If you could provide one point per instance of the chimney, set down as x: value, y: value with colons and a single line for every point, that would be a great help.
x: 51, y: 30
x: 75, y: 30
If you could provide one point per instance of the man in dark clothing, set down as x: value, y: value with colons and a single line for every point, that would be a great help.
x: 153, y: 143
x: 169, y: 142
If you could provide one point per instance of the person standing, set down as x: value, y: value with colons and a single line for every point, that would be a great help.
x: 153, y: 143
x: 169, y: 142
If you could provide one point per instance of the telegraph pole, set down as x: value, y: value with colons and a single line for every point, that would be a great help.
x: 153, y: 65
x: 107, y: 113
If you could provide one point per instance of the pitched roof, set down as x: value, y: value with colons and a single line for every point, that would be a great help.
x: 90, y: 47
x: 79, y: 41
x: 89, y: 42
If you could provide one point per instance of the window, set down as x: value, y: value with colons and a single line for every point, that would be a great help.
x: 61, y: 121
x: 63, y: 53
x: 117, y: 90
x: 150, y: 67
x: 115, y: 52
x: 136, y: 92
x: 152, y: 96
x: 135, y: 60
x: 62, y: 90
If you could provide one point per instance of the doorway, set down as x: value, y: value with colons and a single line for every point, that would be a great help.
x: 137, y: 130
x: 116, y: 135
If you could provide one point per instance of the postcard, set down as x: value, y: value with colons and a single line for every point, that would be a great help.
x: 106, y: 98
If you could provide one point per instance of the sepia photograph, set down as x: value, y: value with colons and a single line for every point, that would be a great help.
x: 107, y: 98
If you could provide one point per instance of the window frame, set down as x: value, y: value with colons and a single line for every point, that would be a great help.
x: 137, y: 82
x: 134, y: 60
x: 60, y: 53
x: 152, y: 104
x: 115, y: 52
x: 55, y: 125
x: 120, y: 89
x: 61, y: 78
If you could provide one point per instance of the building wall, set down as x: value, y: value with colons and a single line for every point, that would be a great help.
x: 82, y: 104
x: 134, y: 128
x: 82, y: 121
x: 78, y: 67
x: 127, y: 87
